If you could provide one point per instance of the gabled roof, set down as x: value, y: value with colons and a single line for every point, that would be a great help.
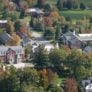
x: 4, y: 38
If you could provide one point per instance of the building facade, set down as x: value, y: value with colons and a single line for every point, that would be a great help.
x: 12, y: 54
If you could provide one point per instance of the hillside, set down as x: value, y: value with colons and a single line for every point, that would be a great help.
x: 84, y: 1
x: 75, y: 14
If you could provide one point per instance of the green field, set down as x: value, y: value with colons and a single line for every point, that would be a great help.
x: 75, y: 14
x: 52, y: 1
x: 84, y: 1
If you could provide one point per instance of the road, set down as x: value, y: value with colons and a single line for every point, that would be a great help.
x: 37, y: 37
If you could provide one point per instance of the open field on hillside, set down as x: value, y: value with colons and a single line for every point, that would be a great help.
x: 52, y: 1
x: 84, y: 1
x: 76, y: 14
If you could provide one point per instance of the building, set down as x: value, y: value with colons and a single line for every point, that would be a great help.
x: 24, y: 38
x: 12, y: 54
x: 3, y: 23
x: 4, y: 38
x: 74, y: 40
x: 87, y: 85
x: 35, y: 12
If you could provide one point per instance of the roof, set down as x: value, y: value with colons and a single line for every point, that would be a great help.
x: 85, y: 37
x: 81, y: 37
x: 17, y: 49
x: 22, y: 65
x: 89, y: 88
x: 3, y: 21
x: 4, y: 38
x: 49, y: 47
x: 37, y: 10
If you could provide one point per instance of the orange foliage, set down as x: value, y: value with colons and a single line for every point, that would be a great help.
x: 23, y: 30
x: 71, y: 85
x: 48, y: 22
x: 3, y: 73
x: 5, y: 3
x: 55, y: 14
x: 43, y: 72
x: 14, y: 40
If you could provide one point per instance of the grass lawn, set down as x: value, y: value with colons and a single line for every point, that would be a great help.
x: 84, y: 1
x: 75, y: 14
x: 52, y: 1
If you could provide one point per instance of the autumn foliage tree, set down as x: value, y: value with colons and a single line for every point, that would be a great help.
x: 71, y: 85
x: 48, y: 22
x: 54, y: 15
x: 14, y: 40
x: 5, y: 3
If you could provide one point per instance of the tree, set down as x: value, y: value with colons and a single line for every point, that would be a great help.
x: 22, y: 14
x: 71, y: 85
x: 56, y: 89
x: 40, y: 3
x: 13, y: 15
x: 39, y: 26
x: 58, y: 58
x: 41, y: 59
x: 74, y: 60
x: 78, y: 60
x: 31, y: 88
x: 58, y: 32
x: 14, y: 40
x: 17, y: 25
x: 54, y: 15
x: 23, y: 5
x: 1, y: 6
x: 30, y: 2
x: 69, y: 4
x: 49, y: 33
x: 28, y: 51
x: 9, y: 27
x: 28, y: 75
x: 48, y: 22
x: 59, y: 4
x: 10, y: 83
x: 82, y: 6
x: 5, y: 3
x: 48, y: 7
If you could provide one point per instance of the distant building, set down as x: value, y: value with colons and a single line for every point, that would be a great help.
x: 49, y: 47
x: 74, y: 40
x: 35, y: 12
x: 12, y: 54
x: 24, y: 38
x: 87, y: 85
x: 3, y: 23
x: 4, y: 38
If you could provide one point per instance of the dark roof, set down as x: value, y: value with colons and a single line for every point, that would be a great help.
x: 4, y: 38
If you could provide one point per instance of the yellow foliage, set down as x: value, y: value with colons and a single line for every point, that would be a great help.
x: 14, y: 40
x: 55, y: 14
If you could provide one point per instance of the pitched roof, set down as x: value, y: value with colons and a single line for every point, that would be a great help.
x: 4, y: 38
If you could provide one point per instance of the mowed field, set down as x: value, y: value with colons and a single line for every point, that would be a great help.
x: 84, y: 1
x: 52, y: 1
x: 75, y: 14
